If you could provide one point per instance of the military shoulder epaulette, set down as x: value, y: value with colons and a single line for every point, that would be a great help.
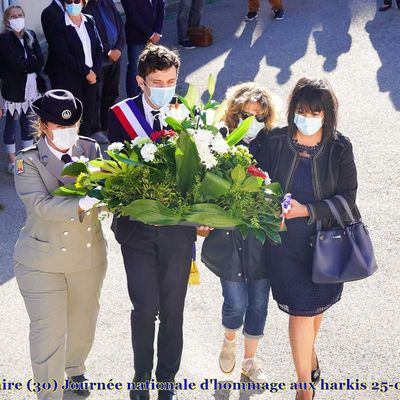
x: 33, y: 147
x: 87, y: 138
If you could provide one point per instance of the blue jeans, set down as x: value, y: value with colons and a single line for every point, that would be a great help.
x: 13, y: 122
x: 189, y: 14
x: 248, y: 301
x: 134, y: 51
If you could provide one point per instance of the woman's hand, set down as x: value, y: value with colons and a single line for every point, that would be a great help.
x: 91, y: 77
x: 204, y: 231
x: 297, y: 210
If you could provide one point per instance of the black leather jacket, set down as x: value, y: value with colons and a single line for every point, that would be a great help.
x: 333, y: 170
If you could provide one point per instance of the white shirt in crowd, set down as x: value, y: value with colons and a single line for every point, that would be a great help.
x: 84, y: 37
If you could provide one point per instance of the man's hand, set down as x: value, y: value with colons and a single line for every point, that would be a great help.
x: 114, y: 55
x: 91, y: 77
x: 297, y: 210
x: 155, y: 38
x: 204, y: 231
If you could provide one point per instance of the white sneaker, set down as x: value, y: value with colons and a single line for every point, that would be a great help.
x: 251, y: 369
x: 227, y: 357
x: 11, y: 168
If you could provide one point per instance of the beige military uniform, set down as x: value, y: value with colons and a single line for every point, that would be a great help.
x: 60, y: 263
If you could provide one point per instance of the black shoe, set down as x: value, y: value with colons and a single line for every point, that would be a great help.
x: 316, y: 374
x: 167, y: 395
x: 81, y: 391
x: 385, y: 7
x: 137, y: 394
x: 251, y: 15
x: 398, y: 4
x: 187, y: 44
x: 278, y: 14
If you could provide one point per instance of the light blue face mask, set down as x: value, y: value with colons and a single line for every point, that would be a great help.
x: 73, y: 9
x: 161, y: 96
x: 253, y: 131
x: 306, y: 125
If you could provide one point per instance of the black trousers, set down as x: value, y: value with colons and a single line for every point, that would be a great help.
x: 107, y: 93
x: 157, y: 262
x: 86, y: 93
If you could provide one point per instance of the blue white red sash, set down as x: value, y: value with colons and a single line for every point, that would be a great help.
x: 132, y: 119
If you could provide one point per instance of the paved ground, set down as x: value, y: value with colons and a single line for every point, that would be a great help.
x: 358, y: 50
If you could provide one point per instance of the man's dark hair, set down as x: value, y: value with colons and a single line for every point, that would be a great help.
x: 157, y: 58
x: 314, y: 95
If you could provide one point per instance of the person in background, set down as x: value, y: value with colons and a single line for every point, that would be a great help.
x: 312, y: 161
x: 237, y: 261
x: 22, y: 63
x: 75, y: 60
x: 254, y: 6
x: 60, y: 256
x: 189, y: 14
x: 110, y: 27
x: 144, y: 23
x: 388, y: 4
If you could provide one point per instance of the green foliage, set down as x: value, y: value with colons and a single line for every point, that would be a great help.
x: 74, y: 169
x: 213, y: 186
x: 239, y: 133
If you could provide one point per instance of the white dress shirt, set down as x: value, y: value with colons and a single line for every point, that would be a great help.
x: 84, y: 37
x: 149, y: 116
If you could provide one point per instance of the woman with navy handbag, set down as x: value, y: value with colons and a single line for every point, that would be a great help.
x: 237, y: 261
x: 22, y: 61
x: 314, y: 162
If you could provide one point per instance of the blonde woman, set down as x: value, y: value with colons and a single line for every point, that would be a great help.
x: 22, y: 61
x: 236, y: 261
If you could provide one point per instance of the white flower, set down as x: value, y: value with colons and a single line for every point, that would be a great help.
x: 209, y: 160
x: 219, y: 144
x: 80, y: 159
x: 178, y: 112
x: 210, y: 115
x: 139, y: 141
x: 148, y: 152
x: 116, y: 147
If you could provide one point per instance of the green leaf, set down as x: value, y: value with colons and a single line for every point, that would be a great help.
x: 99, y: 175
x: 75, y: 169
x: 274, y: 188
x: 239, y: 133
x: 127, y: 160
x: 211, y: 85
x: 192, y: 96
x: 251, y: 184
x: 174, y: 124
x: 96, y: 194
x: 186, y: 104
x: 244, y: 231
x: 70, y: 190
x: 187, y: 163
x: 259, y: 234
x: 238, y: 174
x: 220, y: 113
x: 110, y: 166
x: 211, y: 215
x: 151, y: 212
x: 213, y: 186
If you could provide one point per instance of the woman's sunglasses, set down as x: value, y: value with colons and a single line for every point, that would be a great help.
x: 72, y: 1
x: 259, y: 118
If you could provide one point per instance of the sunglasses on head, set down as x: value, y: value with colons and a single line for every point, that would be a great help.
x: 72, y: 1
x: 258, y: 118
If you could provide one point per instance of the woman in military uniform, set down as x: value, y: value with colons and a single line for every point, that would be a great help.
x: 60, y: 256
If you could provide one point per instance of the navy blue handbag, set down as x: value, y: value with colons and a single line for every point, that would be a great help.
x: 343, y: 253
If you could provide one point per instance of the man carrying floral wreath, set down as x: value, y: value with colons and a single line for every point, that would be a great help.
x: 157, y: 259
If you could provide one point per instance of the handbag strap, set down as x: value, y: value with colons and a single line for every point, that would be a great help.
x: 346, y: 207
x: 335, y: 213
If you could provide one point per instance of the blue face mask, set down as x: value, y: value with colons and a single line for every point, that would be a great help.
x: 306, y: 125
x: 73, y: 9
x: 161, y: 96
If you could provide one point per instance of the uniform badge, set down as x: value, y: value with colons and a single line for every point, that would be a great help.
x: 19, y: 167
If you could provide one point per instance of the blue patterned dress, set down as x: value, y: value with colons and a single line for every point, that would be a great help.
x: 290, y: 265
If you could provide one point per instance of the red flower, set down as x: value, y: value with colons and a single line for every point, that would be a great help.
x: 253, y: 170
x: 162, y: 134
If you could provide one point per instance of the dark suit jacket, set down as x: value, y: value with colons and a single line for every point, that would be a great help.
x: 92, y: 8
x: 143, y: 18
x: 52, y: 24
x: 16, y: 65
x: 67, y: 68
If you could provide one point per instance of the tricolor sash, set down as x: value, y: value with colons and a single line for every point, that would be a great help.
x: 132, y: 119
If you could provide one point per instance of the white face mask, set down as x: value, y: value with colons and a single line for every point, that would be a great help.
x: 65, y: 138
x: 253, y: 131
x: 308, y: 126
x: 17, y: 24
